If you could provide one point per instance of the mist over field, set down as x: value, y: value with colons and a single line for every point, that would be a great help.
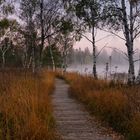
x: 81, y: 61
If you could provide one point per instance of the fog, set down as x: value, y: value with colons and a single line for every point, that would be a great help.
x: 81, y: 61
x: 115, y: 48
x: 101, y: 69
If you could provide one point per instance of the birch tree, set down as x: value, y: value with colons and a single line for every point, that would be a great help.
x: 124, y: 15
x: 88, y: 13
x: 28, y: 14
x: 8, y: 32
x: 44, y: 17
x: 6, y: 8
x: 66, y: 39
x: 48, y: 17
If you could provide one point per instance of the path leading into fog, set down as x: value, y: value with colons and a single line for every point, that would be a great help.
x: 73, y: 121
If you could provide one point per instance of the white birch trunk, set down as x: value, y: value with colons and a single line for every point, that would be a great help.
x: 93, y: 42
x: 51, y: 53
x: 52, y: 58
x: 3, y: 60
x: 94, y: 53
x: 128, y: 32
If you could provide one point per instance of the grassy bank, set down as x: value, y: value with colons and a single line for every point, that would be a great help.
x: 25, y: 109
x: 116, y: 104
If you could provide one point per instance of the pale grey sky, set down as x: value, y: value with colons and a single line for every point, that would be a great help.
x: 111, y: 41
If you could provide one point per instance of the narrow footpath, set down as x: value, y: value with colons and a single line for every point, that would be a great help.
x: 73, y: 121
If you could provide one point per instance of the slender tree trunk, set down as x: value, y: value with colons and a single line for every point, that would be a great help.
x: 110, y: 63
x: 131, y: 72
x: 42, y: 31
x: 24, y: 58
x: 51, y: 53
x: 131, y: 55
x: 64, y: 63
x: 29, y: 64
x: 33, y: 45
x: 63, y: 67
x: 128, y: 32
x: 93, y: 40
x: 33, y: 59
x: 94, y: 53
x: 65, y: 55
x: 3, y: 60
x: 52, y: 58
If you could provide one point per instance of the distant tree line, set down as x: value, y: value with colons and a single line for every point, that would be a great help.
x: 79, y: 56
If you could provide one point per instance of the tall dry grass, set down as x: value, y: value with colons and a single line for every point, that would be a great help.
x: 116, y: 104
x: 25, y: 109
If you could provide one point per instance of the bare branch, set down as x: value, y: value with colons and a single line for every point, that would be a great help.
x: 136, y: 60
x: 136, y: 35
x: 87, y: 38
x: 103, y: 38
x: 97, y: 40
x: 118, y: 50
x: 113, y: 34
x: 101, y: 50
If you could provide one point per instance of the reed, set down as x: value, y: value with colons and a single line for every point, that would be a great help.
x: 25, y: 108
x: 114, y: 103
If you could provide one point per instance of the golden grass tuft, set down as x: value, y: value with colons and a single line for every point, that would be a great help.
x: 116, y: 104
x: 135, y: 127
x: 25, y: 109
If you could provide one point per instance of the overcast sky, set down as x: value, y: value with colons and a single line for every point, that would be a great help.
x: 111, y: 41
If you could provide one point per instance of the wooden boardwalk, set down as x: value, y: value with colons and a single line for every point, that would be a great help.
x: 73, y: 121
